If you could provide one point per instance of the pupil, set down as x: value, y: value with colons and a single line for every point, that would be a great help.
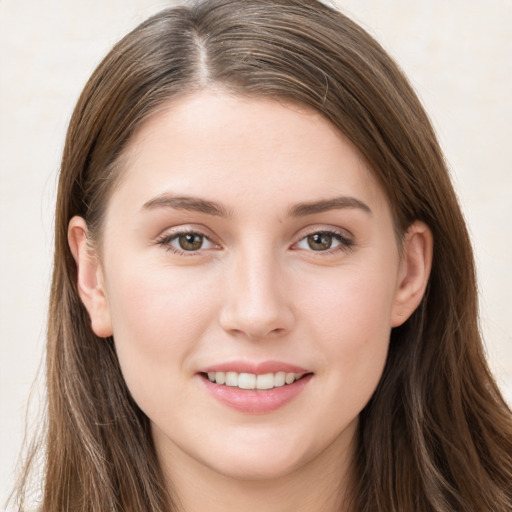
x: 191, y: 242
x: 320, y: 241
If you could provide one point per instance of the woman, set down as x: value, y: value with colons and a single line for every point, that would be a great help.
x: 263, y: 291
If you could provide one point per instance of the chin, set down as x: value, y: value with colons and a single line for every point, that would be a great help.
x: 256, y: 469
x: 260, y: 460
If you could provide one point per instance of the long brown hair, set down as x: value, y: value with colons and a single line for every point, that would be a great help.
x: 436, y: 435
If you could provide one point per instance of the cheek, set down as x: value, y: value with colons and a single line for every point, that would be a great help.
x: 351, y: 328
x: 354, y: 306
x: 158, y: 319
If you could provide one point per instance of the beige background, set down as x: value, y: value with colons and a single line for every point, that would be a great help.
x: 458, y: 54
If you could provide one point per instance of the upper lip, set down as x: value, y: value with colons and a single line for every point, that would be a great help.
x: 256, y: 368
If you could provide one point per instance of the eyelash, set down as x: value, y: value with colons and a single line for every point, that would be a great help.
x: 345, y: 243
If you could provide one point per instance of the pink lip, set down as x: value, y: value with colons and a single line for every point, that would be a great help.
x: 255, y: 401
x: 256, y: 368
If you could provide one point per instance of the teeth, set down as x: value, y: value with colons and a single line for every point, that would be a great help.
x: 231, y: 379
x: 265, y: 381
x: 279, y: 379
x: 252, y: 381
x: 289, y: 378
x: 247, y: 381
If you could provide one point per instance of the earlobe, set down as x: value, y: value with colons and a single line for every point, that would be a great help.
x: 414, y: 272
x: 90, y: 282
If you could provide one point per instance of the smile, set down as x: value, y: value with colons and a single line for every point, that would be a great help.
x: 253, y: 381
x: 255, y: 388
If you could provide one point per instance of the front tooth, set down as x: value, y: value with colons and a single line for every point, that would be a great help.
x: 290, y: 378
x: 279, y: 379
x: 265, y: 381
x: 231, y: 379
x: 247, y: 380
x: 220, y: 378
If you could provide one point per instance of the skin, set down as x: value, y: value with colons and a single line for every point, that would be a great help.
x: 255, y: 290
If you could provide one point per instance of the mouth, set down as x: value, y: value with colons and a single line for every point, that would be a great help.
x: 252, y: 381
x: 255, y: 388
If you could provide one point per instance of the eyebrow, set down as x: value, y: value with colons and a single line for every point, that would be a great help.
x: 197, y: 204
x: 194, y: 204
x: 336, y: 203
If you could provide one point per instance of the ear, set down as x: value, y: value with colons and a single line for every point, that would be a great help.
x: 90, y: 282
x: 413, y: 273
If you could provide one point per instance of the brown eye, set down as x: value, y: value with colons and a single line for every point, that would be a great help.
x: 190, y: 241
x: 320, y: 241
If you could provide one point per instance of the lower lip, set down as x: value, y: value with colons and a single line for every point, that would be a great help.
x: 256, y: 401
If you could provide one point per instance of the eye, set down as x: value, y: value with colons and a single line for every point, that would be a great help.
x: 325, y: 241
x: 186, y: 242
x: 189, y: 241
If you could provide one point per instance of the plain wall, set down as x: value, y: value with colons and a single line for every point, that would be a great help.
x: 458, y: 55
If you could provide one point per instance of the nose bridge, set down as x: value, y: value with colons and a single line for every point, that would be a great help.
x: 256, y: 302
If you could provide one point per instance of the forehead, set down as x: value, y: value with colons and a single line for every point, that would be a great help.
x: 231, y: 147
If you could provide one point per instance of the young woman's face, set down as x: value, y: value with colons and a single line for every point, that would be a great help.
x: 247, y: 242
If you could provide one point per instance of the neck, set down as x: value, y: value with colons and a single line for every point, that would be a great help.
x: 319, y: 485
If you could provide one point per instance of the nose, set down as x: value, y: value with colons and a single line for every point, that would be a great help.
x: 256, y: 304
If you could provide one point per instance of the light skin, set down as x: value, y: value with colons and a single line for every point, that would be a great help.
x: 291, y: 256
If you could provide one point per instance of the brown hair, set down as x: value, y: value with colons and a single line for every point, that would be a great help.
x: 436, y: 435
